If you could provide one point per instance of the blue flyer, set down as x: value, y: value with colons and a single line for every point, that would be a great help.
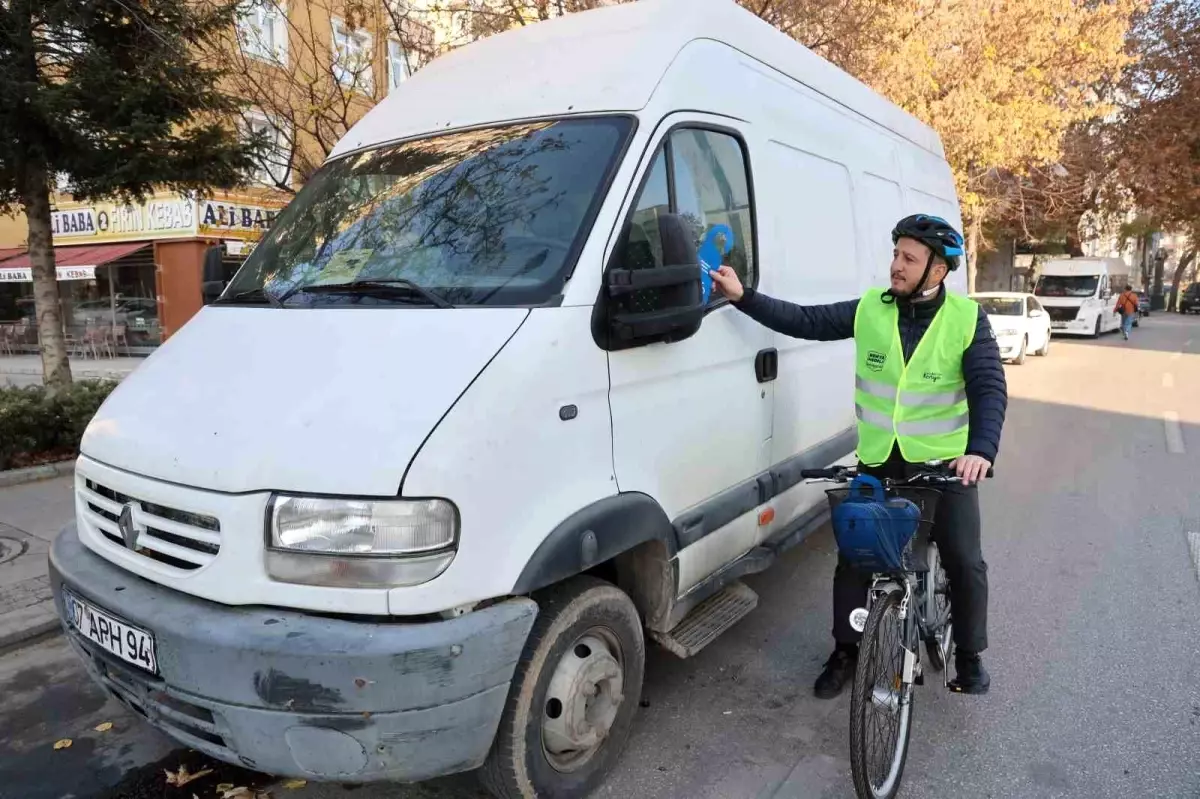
x: 712, y: 255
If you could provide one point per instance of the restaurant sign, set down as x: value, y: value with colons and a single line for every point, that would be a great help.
x: 222, y: 218
x: 172, y: 216
x: 24, y: 274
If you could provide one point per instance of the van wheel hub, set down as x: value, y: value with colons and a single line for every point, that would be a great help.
x: 582, y: 700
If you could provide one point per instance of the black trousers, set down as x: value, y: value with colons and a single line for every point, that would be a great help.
x: 957, y: 535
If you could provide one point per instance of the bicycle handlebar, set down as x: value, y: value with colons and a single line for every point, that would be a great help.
x: 939, y: 473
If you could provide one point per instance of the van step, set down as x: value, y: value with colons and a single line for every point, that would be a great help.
x: 710, y: 618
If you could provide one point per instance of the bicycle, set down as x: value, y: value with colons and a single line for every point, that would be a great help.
x: 908, y: 604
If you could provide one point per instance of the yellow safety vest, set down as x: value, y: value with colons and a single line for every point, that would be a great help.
x: 921, y: 404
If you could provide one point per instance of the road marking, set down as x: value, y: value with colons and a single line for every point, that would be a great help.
x: 1174, y: 432
x: 1194, y: 546
x: 1168, y: 380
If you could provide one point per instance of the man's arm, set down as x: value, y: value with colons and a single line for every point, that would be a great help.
x: 987, y: 391
x: 813, y: 322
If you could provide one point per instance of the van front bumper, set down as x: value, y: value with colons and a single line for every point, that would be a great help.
x: 298, y: 695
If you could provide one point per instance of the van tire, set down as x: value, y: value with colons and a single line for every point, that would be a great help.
x: 1096, y: 334
x: 519, y: 764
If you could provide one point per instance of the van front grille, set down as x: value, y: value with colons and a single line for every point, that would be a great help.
x: 178, y: 538
x: 1061, y: 314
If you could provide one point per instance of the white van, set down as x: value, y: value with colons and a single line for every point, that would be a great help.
x: 1078, y: 294
x: 404, y: 500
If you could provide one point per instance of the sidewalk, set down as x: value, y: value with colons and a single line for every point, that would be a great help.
x: 31, y: 516
x: 27, y: 369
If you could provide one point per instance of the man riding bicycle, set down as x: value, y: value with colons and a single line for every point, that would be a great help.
x: 929, y: 386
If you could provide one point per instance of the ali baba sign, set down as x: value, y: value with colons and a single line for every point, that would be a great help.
x: 167, y: 217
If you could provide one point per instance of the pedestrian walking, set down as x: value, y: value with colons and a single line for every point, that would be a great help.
x: 1127, y: 306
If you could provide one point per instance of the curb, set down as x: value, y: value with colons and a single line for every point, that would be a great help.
x: 18, y: 627
x: 16, y: 477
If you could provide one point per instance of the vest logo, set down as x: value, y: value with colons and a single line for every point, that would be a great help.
x: 932, y: 377
x: 875, y: 361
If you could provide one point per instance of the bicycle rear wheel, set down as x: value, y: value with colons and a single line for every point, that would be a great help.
x: 937, y: 612
x: 880, y: 704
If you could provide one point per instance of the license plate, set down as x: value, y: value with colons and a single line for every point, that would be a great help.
x: 1058, y: 324
x: 131, y: 644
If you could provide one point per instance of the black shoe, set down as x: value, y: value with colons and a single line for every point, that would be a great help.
x: 839, y: 670
x: 970, y: 676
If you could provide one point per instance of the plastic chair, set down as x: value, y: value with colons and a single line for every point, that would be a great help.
x: 120, y: 338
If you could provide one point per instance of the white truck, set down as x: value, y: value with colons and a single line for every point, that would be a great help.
x: 1078, y: 293
x: 468, y: 424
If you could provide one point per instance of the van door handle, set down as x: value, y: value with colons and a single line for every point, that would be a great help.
x: 766, y: 365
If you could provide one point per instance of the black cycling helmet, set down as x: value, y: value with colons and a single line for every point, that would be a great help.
x: 935, y: 233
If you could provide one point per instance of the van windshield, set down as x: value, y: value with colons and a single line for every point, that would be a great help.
x: 493, y: 216
x: 1067, y: 285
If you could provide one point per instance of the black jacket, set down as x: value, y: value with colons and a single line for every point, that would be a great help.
x: 987, y: 391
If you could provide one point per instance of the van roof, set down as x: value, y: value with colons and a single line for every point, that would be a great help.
x: 602, y: 61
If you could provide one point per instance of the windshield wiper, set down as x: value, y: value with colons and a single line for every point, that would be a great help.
x: 382, y: 286
x: 253, y: 296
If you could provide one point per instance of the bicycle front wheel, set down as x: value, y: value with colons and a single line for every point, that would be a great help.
x: 880, y: 704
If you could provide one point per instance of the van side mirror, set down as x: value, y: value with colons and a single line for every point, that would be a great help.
x: 1106, y: 294
x: 647, y: 302
x: 213, y: 278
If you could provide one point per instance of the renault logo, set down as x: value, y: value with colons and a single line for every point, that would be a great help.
x: 130, y: 530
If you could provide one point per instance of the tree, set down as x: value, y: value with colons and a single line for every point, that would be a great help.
x: 111, y: 96
x: 1158, y: 143
x: 1002, y: 83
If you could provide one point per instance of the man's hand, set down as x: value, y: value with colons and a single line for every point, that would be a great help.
x: 726, y: 281
x: 971, y: 468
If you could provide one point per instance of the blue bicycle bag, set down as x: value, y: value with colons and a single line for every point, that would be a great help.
x: 872, y: 529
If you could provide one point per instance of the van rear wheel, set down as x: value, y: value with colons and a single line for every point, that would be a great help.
x: 573, y: 696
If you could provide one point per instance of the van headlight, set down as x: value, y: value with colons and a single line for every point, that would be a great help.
x: 360, y: 543
x: 1007, y: 332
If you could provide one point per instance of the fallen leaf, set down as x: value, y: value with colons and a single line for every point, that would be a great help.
x: 182, y: 777
x: 292, y: 785
x: 65, y: 743
x: 105, y: 727
x: 239, y: 792
x: 225, y: 787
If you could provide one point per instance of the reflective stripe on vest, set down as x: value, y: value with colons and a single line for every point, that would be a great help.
x: 921, y: 404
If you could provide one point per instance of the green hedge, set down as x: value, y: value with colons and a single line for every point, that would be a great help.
x: 36, y: 428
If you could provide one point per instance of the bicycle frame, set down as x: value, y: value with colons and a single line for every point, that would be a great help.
x: 917, y: 628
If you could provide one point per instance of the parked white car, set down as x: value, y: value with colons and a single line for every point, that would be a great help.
x: 1020, y: 322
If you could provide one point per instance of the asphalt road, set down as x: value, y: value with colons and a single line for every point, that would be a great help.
x: 1095, y: 635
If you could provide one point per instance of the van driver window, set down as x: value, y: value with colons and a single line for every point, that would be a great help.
x: 701, y: 178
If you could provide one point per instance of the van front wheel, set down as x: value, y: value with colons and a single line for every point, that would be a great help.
x: 573, y: 696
